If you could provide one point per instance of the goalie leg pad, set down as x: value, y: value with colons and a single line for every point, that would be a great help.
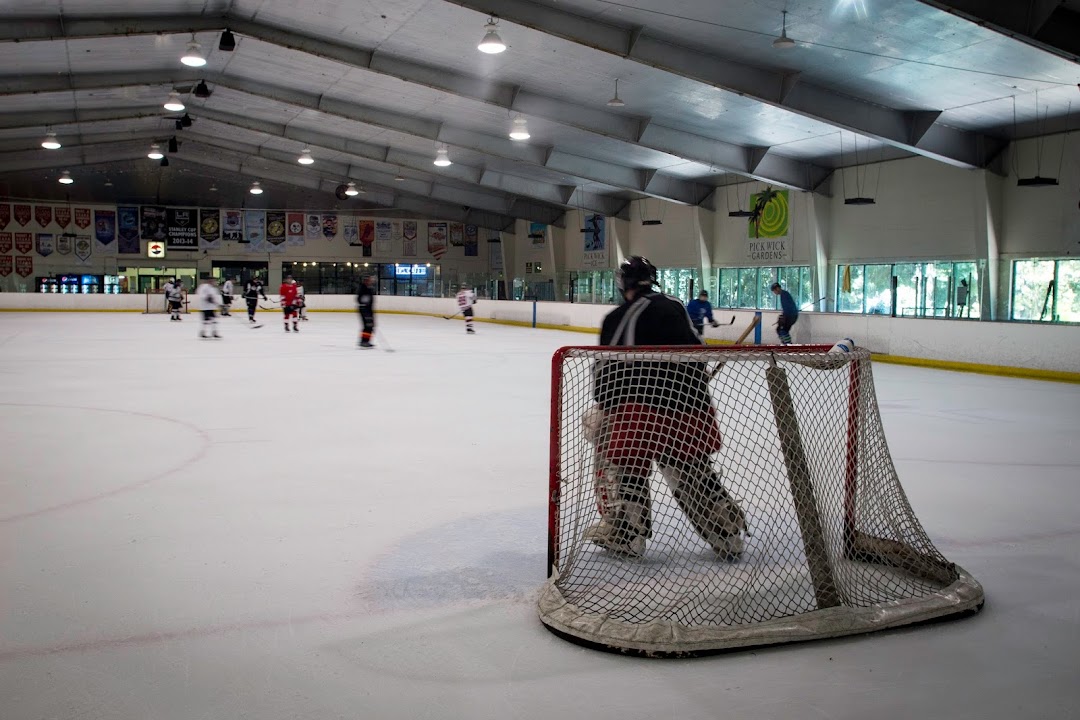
x: 714, y: 514
x: 628, y: 523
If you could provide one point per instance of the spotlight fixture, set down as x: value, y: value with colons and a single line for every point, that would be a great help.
x: 305, y: 157
x: 783, y: 42
x: 50, y: 142
x: 201, y: 90
x: 186, y: 120
x: 256, y: 189
x: 193, y: 57
x: 174, y: 147
x: 155, y: 152
x: 520, y: 129
x: 213, y: 187
x: 442, y: 157
x: 616, y: 101
x: 174, y: 103
x: 227, y: 42
x: 108, y: 182
x: 351, y: 190
x: 492, y: 44
x: 65, y: 178
x: 164, y: 162
x: 399, y: 178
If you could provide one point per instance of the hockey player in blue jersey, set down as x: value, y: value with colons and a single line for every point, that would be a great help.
x: 789, y: 314
x: 700, y: 310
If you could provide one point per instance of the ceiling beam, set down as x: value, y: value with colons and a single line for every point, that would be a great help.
x: 772, y: 87
x: 684, y: 145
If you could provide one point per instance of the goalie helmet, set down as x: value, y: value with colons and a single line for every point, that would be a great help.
x: 634, y: 272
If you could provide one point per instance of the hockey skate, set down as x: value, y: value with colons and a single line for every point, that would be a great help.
x: 470, y: 331
x: 624, y: 533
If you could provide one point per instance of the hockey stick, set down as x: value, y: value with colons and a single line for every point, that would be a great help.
x: 383, y: 345
x: 448, y: 317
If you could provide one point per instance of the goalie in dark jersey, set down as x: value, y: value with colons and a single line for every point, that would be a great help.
x: 655, y: 411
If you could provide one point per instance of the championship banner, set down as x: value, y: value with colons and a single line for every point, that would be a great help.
x: 350, y: 230
x: 495, y: 255
x: 408, y: 238
x: 312, y: 226
x: 24, y: 242
x: 127, y: 230
x: 255, y: 229
x: 83, y: 247
x: 330, y: 226
x: 295, y: 228
x: 22, y: 214
x: 457, y: 234
x: 275, y: 230
x: 436, y: 239
x: 6, y: 265
x: 24, y: 265
x: 152, y: 222
x: 384, y: 236
x: 367, y: 233
x: 105, y: 226
x: 82, y: 218
x: 537, y: 234
x: 767, y: 231
x: 64, y: 243
x: 209, y: 228
x: 182, y: 228
x: 63, y: 216
x: 472, y: 242
x: 5, y: 215
x: 43, y: 215
x: 44, y: 243
x: 232, y: 226
x: 595, y: 253
x: 5, y: 243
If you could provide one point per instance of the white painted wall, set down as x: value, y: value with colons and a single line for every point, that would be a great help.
x: 1043, y: 222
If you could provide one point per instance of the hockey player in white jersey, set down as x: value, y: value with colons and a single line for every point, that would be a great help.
x: 226, y: 297
x: 174, y: 295
x: 466, y: 298
x: 301, y: 301
x: 209, y: 298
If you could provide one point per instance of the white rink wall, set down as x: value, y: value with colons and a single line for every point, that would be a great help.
x: 1020, y: 345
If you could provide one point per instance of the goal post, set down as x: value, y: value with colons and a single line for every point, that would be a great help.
x: 156, y: 304
x: 804, y: 531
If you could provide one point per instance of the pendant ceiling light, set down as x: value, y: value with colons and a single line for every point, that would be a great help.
x: 399, y: 178
x: 227, y: 42
x: 520, y: 129
x: 164, y: 162
x: 351, y: 190
x: 65, y: 178
x: 193, y: 57
x: 50, y: 142
x: 305, y: 157
x: 492, y: 44
x: 616, y: 101
x: 256, y: 189
x: 213, y: 187
x: 442, y: 157
x: 174, y: 103
x: 201, y: 90
x: 783, y: 42
x: 155, y: 152
x: 174, y: 146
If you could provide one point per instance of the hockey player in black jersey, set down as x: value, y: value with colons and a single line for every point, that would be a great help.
x: 252, y: 291
x: 655, y: 411
x: 365, y: 302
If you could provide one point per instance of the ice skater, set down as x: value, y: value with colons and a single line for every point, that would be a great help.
x: 226, y: 297
x: 789, y: 314
x: 252, y: 291
x: 287, y: 291
x: 466, y: 298
x: 209, y: 299
x: 700, y: 310
x: 365, y: 301
x: 174, y: 294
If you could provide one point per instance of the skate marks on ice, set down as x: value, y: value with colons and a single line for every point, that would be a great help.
x: 474, y: 559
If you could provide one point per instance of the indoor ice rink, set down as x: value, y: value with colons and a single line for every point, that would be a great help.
x: 882, y: 522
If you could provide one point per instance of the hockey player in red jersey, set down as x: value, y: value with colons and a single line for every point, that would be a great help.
x: 288, y: 294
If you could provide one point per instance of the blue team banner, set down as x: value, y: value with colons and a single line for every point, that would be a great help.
x: 127, y: 230
x: 105, y: 226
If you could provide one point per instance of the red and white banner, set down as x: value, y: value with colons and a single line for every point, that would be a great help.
x: 436, y: 239
x: 63, y: 216
x: 5, y: 215
x: 22, y: 214
x: 5, y: 265
x: 43, y: 215
x: 82, y: 217
x: 5, y: 243
x: 24, y: 242
x: 24, y: 265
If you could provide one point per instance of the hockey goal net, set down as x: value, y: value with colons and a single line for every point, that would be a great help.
x: 157, y: 304
x: 710, y: 498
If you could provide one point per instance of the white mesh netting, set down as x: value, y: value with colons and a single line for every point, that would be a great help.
x: 710, y: 498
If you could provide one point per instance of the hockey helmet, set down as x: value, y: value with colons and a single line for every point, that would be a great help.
x: 635, y: 272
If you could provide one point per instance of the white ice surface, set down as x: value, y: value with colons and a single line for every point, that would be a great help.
x: 279, y: 526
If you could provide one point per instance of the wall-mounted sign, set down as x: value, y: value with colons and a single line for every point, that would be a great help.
x: 155, y: 249
x: 405, y: 270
